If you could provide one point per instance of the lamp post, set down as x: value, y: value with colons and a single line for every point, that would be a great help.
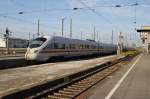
x: 70, y: 28
x: 62, y: 26
x: 7, y: 39
x: 38, y: 31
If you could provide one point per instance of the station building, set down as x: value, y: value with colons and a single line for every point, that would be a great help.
x: 14, y: 43
x: 145, y: 37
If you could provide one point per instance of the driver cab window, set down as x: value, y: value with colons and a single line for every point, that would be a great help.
x: 37, y: 42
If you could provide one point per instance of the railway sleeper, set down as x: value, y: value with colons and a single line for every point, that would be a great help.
x: 77, y: 86
x: 63, y: 95
x: 55, y: 97
x: 95, y: 80
x: 71, y: 90
x: 87, y: 81
x: 65, y: 92
x: 98, y: 78
x: 82, y: 84
x: 97, y: 75
x: 91, y: 82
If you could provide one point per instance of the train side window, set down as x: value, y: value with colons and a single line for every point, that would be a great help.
x: 87, y: 46
x: 80, y: 46
x: 55, y: 46
x: 59, y: 46
x: 49, y: 46
x: 101, y: 47
x: 96, y: 47
x: 83, y: 46
x: 63, y: 46
x: 76, y: 46
x: 93, y: 47
x: 70, y: 46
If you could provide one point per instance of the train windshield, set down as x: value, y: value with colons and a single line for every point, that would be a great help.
x: 37, y: 42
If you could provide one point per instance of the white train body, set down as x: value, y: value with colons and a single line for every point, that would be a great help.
x: 43, y: 48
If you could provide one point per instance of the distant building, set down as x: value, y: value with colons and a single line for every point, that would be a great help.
x: 145, y: 37
x: 14, y: 43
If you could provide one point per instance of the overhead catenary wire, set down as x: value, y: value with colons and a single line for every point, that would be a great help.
x: 33, y: 23
x: 107, y: 20
x: 57, y: 9
x: 35, y: 11
x: 127, y: 5
x: 100, y: 15
x: 135, y: 11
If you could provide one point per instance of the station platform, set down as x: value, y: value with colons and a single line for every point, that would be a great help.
x: 26, y: 77
x: 10, y: 57
x: 129, y: 82
x: 10, y: 61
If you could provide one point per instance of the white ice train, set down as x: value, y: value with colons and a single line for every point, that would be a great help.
x: 46, y: 47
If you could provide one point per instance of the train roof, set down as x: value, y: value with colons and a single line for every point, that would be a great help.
x: 74, y: 41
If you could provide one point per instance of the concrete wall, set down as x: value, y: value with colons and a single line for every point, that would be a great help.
x: 2, y: 42
x: 18, y: 43
x: 14, y: 43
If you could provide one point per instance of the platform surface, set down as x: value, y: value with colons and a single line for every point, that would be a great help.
x: 130, y: 82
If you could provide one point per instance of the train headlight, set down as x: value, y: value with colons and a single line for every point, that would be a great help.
x: 35, y: 51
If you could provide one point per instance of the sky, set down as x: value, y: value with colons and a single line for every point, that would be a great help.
x: 101, y: 14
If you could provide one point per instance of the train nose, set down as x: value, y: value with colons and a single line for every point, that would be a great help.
x: 27, y: 55
x: 30, y: 55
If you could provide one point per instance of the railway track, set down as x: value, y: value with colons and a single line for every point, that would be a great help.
x: 75, y: 89
x: 71, y: 86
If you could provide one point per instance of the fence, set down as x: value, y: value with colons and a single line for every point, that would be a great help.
x: 3, y: 51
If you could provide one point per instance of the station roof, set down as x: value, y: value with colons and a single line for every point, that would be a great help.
x: 143, y: 30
